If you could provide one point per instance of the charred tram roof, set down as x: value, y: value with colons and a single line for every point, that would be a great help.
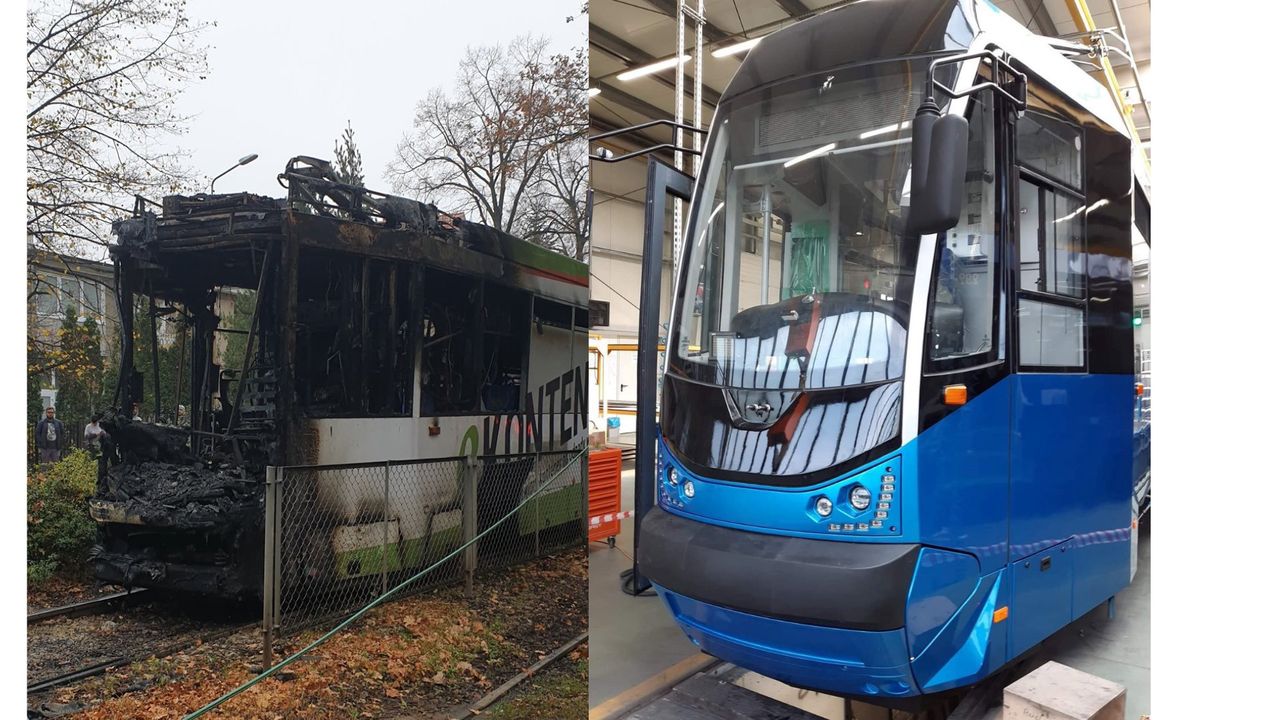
x: 201, y: 241
x: 862, y: 32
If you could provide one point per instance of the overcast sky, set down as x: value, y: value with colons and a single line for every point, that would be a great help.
x: 285, y: 77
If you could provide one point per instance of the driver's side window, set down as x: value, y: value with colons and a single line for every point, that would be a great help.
x: 961, y: 329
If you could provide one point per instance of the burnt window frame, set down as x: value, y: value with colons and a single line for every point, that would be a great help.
x: 520, y: 330
x: 472, y: 332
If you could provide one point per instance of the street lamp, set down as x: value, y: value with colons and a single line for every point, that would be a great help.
x: 242, y: 161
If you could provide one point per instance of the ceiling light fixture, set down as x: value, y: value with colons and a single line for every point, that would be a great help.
x: 736, y: 48
x: 652, y: 68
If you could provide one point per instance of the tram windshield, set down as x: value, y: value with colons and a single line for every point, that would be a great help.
x: 799, y: 269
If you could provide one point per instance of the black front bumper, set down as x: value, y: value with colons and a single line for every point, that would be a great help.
x: 855, y: 585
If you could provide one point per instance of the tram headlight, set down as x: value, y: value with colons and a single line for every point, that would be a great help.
x: 860, y: 497
x: 688, y: 488
x: 672, y: 476
x: 823, y: 506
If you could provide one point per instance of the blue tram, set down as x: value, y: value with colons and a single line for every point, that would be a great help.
x: 896, y: 448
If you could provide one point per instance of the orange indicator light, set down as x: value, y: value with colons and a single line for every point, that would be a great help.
x: 1000, y: 614
x: 955, y: 394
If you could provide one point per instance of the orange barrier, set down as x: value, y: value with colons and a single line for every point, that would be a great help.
x: 604, y: 492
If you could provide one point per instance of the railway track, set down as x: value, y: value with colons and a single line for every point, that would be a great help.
x: 98, y: 668
x: 95, y: 645
x: 87, y: 607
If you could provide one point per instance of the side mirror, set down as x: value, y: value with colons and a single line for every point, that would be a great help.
x: 938, y: 148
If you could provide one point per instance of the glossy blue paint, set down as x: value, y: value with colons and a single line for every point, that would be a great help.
x: 971, y: 645
x: 791, y: 511
x: 943, y: 582
x: 1041, y: 601
x: 1072, y: 453
x: 1036, y: 466
x: 821, y: 658
x: 962, y: 478
x: 1071, y: 478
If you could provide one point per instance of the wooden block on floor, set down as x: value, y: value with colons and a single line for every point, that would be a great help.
x: 1054, y: 691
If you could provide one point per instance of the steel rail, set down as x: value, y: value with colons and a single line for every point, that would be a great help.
x: 102, y: 666
x: 84, y: 607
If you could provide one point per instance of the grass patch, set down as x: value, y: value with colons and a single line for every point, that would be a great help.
x: 558, y: 692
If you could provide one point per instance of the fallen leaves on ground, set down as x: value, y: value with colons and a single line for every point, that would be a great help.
x: 423, y: 652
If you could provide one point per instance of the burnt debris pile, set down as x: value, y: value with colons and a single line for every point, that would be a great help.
x: 208, y: 512
x: 137, y: 441
x: 189, y: 497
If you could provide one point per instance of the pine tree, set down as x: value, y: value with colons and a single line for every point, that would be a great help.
x: 347, y: 157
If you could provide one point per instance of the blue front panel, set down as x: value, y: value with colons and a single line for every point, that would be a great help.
x: 1071, y: 477
x: 792, y: 511
x: 971, y: 644
x: 942, y: 583
x: 962, y: 478
x: 822, y: 658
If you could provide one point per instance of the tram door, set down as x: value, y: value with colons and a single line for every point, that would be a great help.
x: 1050, y: 377
x: 1070, y: 459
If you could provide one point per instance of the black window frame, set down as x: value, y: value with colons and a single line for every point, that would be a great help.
x: 1021, y: 171
x: 948, y: 365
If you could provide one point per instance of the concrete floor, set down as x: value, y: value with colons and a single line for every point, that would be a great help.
x: 633, y: 639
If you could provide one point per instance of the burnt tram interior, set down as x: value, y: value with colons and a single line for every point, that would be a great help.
x: 346, y: 292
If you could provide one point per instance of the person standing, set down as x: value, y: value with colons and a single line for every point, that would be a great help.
x: 93, y: 433
x: 51, y: 437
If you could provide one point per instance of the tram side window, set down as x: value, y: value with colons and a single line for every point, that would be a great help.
x: 1050, y: 146
x: 450, y: 378
x: 960, y: 317
x: 1051, y: 277
x: 1051, y: 243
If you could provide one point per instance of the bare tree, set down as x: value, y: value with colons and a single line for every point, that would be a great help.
x: 102, y: 79
x: 489, y: 144
x: 558, y: 216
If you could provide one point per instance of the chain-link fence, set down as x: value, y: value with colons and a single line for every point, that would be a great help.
x: 338, y: 536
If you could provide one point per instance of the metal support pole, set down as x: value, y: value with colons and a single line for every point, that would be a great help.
x: 584, y: 499
x: 677, y: 210
x: 269, y: 567
x: 155, y: 358
x: 470, y: 479
x: 663, y: 180
x: 386, y: 520
x: 277, y: 592
x: 537, y: 514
